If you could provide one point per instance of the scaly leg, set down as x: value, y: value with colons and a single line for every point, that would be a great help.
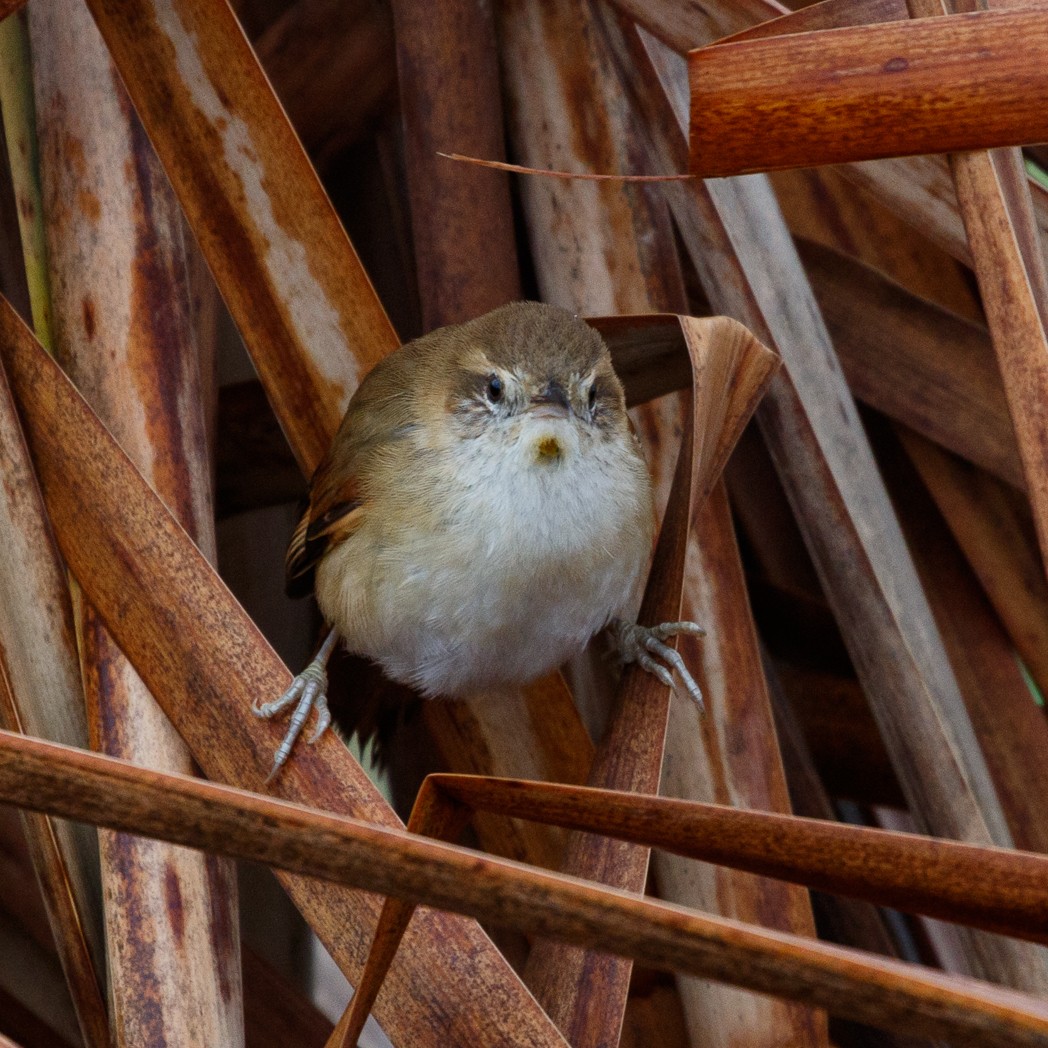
x: 644, y: 645
x: 309, y: 691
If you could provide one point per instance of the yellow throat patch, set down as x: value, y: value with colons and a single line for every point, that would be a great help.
x: 548, y: 449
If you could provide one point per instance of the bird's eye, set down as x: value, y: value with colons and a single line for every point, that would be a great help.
x: 593, y: 396
x: 495, y: 389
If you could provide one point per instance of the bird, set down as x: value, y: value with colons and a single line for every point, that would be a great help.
x: 483, y: 511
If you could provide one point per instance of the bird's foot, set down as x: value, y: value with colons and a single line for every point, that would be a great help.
x: 646, y: 646
x: 308, y: 691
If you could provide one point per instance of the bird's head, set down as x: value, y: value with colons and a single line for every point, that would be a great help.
x: 535, y: 378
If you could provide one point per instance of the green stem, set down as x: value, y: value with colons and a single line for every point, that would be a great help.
x: 19, y: 116
x: 1036, y: 172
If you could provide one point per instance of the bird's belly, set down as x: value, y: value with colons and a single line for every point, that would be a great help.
x: 459, y: 621
x: 497, y: 581
x: 469, y: 628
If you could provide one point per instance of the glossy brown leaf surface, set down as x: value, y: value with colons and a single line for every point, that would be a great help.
x: 868, y: 91
x: 895, y: 995
x: 993, y: 887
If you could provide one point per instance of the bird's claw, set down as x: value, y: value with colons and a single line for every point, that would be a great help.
x: 646, y: 646
x: 308, y: 691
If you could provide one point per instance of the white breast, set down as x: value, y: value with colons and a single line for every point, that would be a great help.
x: 504, y: 575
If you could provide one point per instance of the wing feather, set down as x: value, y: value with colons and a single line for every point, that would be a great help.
x: 381, y: 415
x: 314, y: 536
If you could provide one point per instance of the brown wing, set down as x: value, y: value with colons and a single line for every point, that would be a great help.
x: 380, y: 415
x: 323, y: 525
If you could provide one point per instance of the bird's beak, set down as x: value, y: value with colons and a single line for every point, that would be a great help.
x: 552, y: 402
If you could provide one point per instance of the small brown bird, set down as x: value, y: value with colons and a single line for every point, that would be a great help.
x: 483, y: 511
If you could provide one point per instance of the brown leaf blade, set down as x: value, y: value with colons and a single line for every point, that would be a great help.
x: 318, y: 50
x: 461, y: 217
x: 685, y: 24
x: 283, y: 263
x: 997, y: 212
x: 992, y: 525
x: 64, y: 919
x: 1013, y: 731
x: 702, y: 764
x: 126, y: 340
x: 868, y: 91
x: 996, y: 888
x: 37, y: 659
x: 897, y: 996
x: 917, y: 363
